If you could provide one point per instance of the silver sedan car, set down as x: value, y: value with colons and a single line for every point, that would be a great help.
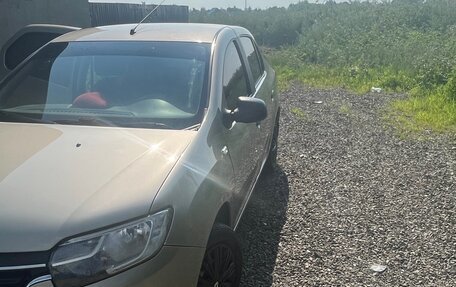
x: 127, y: 159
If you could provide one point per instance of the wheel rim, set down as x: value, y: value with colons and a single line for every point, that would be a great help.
x: 219, y: 268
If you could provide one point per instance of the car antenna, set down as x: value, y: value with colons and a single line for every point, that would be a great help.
x: 133, y: 31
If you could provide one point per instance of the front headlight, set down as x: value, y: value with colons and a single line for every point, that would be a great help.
x: 91, y: 258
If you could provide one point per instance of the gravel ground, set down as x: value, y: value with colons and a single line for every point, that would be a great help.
x: 348, y: 194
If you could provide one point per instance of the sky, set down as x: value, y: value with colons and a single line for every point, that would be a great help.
x: 214, y: 3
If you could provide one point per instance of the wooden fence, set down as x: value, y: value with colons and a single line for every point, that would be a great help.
x: 119, y: 13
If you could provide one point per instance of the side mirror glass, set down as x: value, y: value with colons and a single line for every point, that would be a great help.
x: 249, y: 110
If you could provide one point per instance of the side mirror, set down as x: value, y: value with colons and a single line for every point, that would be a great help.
x: 249, y: 110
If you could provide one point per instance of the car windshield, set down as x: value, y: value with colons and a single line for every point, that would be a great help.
x: 126, y: 84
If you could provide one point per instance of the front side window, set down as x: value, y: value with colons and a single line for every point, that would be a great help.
x: 253, y: 58
x: 130, y: 84
x: 234, y: 77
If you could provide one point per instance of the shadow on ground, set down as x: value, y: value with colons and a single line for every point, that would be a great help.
x: 261, y: 226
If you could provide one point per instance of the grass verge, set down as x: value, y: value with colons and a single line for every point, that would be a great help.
x: 433, y: 109
x: 434, y: 112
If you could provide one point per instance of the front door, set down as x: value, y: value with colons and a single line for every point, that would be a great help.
x: 240, y: 137
x: 262, y: 91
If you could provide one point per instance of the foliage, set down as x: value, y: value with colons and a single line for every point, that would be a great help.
x: 399, y: 45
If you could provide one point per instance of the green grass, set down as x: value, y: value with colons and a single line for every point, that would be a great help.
x: 353, y: 78
x: 424, y: 110
x: 434, y: 112
x: 299, y: 113
x: 350, y: 78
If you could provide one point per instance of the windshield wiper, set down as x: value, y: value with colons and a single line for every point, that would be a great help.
x: 86, y: 121
x: 15, y: 117
x: 94, y: 121
x: 193, y: 128
x: 147, y: 125
x: 90, y: 121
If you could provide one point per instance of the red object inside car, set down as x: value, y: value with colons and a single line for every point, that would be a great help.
x: 90, y: 100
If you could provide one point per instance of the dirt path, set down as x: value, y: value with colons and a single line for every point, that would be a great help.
x: 348, y: 194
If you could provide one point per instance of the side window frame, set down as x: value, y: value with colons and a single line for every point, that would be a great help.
x: 259, y: 54
x: 245, y: 68
x: 259, y: 57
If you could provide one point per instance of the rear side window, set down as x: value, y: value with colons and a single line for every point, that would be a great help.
x: 234, y: 77
x: 253, y: 58
x: 25, y: 46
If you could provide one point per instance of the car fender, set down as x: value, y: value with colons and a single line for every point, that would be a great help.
x: 196, y: 189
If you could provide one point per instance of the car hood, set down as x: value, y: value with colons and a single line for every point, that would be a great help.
x: 59, y: 181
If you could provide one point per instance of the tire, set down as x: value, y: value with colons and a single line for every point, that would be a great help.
x: 272, y: 156
x: 222, y: 263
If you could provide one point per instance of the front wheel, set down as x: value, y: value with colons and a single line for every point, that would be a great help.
x: 222, y: 263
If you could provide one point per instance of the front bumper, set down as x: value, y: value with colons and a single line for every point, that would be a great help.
x: 171, y: 267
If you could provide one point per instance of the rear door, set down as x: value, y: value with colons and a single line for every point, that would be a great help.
x: 25, y: 42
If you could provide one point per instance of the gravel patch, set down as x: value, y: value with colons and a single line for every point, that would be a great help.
x: 351, y: 203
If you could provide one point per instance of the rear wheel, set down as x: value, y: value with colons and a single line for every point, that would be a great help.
x: 222, y: 263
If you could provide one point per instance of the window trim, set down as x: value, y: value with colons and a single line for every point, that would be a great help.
x: 245, y: 66
x: 258, y: 57
x: 240, y: 52
x: 259, y: 54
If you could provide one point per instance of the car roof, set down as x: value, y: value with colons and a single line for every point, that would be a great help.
x: 174, y: 32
